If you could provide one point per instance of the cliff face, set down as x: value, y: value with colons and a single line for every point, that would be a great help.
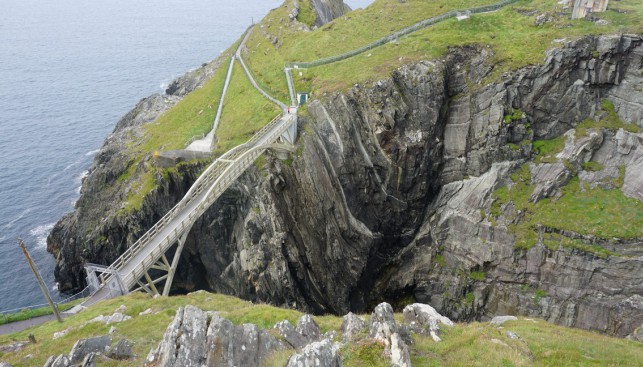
x: 391, y: 193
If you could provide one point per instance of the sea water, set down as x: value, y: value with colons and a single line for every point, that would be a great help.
x: 69, y: 69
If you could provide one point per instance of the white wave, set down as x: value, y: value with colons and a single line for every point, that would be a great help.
x: 71, y: 165
x: 82, y: 175
x: 22, y: 215
x: 92, y: 152
x: 40, y: 233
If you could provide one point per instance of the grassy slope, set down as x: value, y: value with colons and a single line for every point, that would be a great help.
x: 465, y: 344
x: 514, y: 38
x: 244, y: 112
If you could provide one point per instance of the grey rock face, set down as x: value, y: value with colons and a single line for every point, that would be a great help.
x: 308, y: 328
x: 290, y: 335
x: 424, y: 319
x: 323, y: 354
x: 352, y: 326
x: 382, y: 324
x: 122, y: 350
x: 382, y: 327
x: 61, y: 361
x: 499, y: 320
x: 89, y: 360
x: 327, y: 10
x: 83, y: 347
x: 198, y: 338
x: 4, y: 364
x: 392, y: 191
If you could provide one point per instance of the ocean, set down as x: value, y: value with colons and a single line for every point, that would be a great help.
x: 69, y: 69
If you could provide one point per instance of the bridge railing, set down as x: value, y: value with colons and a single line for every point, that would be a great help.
x: 216, y: 170
x: 222, y: 182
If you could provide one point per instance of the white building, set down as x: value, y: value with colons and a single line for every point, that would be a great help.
x: 583, y: 7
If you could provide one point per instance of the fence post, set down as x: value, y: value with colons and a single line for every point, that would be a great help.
x: 41, y: 283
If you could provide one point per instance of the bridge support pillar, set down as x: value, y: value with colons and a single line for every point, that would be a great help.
x: 175, y: 262
x: 290, y: 135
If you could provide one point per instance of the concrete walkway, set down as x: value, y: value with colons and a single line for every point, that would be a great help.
x: 17, y: 326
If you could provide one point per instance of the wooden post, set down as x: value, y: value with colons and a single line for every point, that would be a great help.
x: 41, y: 283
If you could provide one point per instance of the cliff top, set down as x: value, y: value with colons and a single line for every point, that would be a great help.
x: 474, y: 344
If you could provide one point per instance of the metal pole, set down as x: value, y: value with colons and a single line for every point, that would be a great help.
x: 41, y: 283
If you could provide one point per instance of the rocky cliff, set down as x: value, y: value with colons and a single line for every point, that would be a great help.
x: 393, y: 195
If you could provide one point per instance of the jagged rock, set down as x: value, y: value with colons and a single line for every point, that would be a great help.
x: 13, y: 347
x: 512, y: 335
x: 121, y: 309
x: 112, y: 319
x: 382, y: 324
x: 637, y: 334
x: 196, y: 337
x: 424, y: 319
x: 184, y: 341
x: 290, y: 335
x: 382, y: 327
x: 399, y: 352
x: 499, y: 320
x: 146, y: 312
x: 61, y: 333
x: 308, y: 328
x: 122, y: 350
x: 89, y: 360
x: 542, y: 19
x: 50, y: 361
x: 323, y: 354
x: 60, y: 361
x: 83, y: 347
x: 352, y: 327
x: 327, y: 10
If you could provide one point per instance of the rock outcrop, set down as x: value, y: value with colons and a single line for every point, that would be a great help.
x: 199, y: 338
x: 327, y: 10
x: 390, y: 196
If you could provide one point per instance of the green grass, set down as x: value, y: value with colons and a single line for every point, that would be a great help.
x: 592, y: 166
x: 28, y: 313
x: 366, y: 353
x: 478, y: 344
x: 464, y: 344
x: 546, y: 150
x: 479, y: 276
x: 244, y: 113
x: 598, y: 212
x: 609, y: 121
x: 514, y: 38
x: 307, y: 13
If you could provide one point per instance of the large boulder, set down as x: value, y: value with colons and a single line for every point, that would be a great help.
x: 197, y: 338
x: 424, y: 319
x: 122, y: 350
x: 352, y: 326
x: 83, y: 347
x: 318, y: 354
x: 382, y: 327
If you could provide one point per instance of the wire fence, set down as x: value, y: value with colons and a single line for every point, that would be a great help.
x: 394, y: 36
x: 82, y: 294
